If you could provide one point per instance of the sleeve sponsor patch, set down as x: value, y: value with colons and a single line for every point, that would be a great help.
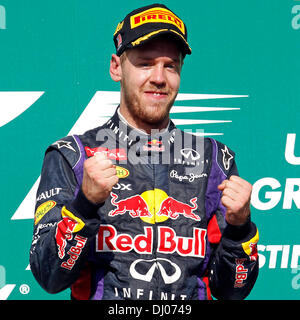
x: 43, y: 209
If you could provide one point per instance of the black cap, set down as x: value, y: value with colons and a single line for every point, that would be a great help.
x: 146, y: 23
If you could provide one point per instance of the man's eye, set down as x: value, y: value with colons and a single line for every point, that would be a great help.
x: 172, y: 67
x: 145, y: 64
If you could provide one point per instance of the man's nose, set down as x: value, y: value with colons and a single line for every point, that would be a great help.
x: 158, y: 75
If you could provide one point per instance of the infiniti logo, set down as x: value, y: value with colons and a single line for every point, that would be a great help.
x: 169, y: 271
x: 189, y: 153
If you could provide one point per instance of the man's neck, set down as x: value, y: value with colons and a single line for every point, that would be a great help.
x: 145, y: 128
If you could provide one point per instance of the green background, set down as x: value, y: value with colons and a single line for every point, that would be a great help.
x: 239, y: 47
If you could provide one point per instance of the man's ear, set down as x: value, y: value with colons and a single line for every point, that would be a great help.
x: 115, y: 69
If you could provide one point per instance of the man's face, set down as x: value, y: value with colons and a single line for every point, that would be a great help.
x: 150, y: 79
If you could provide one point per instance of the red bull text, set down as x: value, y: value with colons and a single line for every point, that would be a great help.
x: 74, y: 252
x: 64, y: 232
x: 108, y: 240
x: 240, y: 273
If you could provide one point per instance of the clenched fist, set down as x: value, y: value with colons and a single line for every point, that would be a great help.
x: 236, y: 194
x: 99, y: 176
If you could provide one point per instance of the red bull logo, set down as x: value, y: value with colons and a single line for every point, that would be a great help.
x: 65, y: 229
x: 74, y: 252
x: 241, y: 273
x: 154, y: 145
x: 154, y: 206
x: 135, y: 206
x: 250, y: 247
x: 108, y: 240
x: 64, y: 232
x: 253, y: 252
x: 173, y: 208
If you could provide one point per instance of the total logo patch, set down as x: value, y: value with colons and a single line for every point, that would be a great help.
x: 113, y: 154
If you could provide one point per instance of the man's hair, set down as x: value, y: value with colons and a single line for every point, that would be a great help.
x: 123, y: 57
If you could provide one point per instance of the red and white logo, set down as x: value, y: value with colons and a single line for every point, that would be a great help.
x: 108, y: 240
x: 64, y: 232
x: 113, y: 154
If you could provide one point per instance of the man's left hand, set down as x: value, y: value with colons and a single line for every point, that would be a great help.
x: 236, y: 194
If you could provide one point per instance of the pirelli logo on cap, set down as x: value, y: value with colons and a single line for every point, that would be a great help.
x: 156, y: 15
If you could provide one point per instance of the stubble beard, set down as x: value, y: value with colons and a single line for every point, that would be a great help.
x: 155, y: 115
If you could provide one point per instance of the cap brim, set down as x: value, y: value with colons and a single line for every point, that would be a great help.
x: 182, y: 43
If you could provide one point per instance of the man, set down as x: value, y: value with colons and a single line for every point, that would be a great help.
x: 138, y: 209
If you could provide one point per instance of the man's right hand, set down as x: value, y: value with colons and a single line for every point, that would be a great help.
x: 99, y: 176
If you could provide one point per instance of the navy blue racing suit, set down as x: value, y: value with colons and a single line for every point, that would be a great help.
x: 161, y: 234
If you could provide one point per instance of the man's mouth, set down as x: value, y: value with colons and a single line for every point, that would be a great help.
x: 156, y: 94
